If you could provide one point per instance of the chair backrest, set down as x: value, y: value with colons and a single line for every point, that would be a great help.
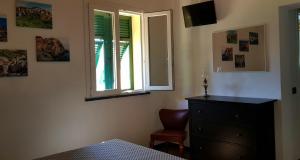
x: 174, y: 119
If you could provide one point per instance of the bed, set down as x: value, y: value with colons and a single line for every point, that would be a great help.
x: 112, y: 150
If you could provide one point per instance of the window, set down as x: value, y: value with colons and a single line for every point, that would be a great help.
x: 158, y: 51
x: 117, y: 52
x: 104, y: 51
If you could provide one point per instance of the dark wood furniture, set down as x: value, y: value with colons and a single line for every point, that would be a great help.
x: 174, y: 122
x: 231, y: 128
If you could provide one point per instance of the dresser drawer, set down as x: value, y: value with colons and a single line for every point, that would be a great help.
x: 204, y: 149
x: 224, y: 113
x: 235, y: 134
x: 231, y: 128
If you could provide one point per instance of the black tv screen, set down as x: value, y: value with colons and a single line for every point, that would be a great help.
x: 199, y: 14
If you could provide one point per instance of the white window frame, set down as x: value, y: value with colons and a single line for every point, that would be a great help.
x: 169, y: 48
x: 107, y: 9
x: 90, y: 50
x: 142, y: 50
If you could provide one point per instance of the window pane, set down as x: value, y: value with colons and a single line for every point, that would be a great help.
x: 125, y: 65
x: 99, y: 49
x: 137, y: 52
x: 131, y: 51
x: 126, y: 53
x: 158, y: 57
x: 104, y: 51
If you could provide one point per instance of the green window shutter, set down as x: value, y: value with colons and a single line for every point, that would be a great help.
x: 125, y: 27
x: 126, y: 42
x: 99, y: 25
x: 103, y: 29
x: 123, y: 46
x: 98, y: 47
x: 125, y: 33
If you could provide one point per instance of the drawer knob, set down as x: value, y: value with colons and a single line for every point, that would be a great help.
x: 200, y: 148
x: 237, y: 116
x: 200, y: 129
x: 239, y: 134
x: 199, y: 111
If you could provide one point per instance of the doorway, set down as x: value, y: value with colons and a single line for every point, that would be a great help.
x: 290, y: 80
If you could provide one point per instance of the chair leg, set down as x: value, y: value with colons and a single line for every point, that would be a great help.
x: 181, y: 149
x: 151, y: 143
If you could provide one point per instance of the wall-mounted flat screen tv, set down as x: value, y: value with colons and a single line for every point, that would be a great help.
x: 199, y: 14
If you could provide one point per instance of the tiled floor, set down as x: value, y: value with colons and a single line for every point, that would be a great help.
x: 172, y: 149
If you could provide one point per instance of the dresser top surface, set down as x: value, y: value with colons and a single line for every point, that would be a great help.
x: 231, y: 99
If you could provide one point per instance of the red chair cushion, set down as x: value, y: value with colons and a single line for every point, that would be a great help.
x: 169, y: 135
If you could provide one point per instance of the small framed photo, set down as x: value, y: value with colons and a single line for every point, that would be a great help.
x: 253, y: 38
x: 244, y: 45
x: 232, y: 37
x: 239, y: 61
x: 227, y: 54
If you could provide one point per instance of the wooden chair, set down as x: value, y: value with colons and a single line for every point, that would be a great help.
x: 174, y: 122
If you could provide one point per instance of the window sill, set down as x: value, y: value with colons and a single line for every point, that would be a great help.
x: 125, y: 94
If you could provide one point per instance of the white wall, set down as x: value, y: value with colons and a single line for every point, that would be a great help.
x: 193, y: 55
x: 45, y: 113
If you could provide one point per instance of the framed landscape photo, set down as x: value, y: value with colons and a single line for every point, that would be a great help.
x: 33, y: 14
x: 13, y: 63
x: 52, y: 49
x: 3, y: 29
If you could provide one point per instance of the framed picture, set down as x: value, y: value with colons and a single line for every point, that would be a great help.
x: 3, y: 29
x: 232, y: 36
x: 253, y: 38
x: 239, y: 61
x: 13, y: 63
x: 52, y: 49
x: 244, y: 45
x: 227, y: 54
x: 240, y: 49
x: 33, y: 14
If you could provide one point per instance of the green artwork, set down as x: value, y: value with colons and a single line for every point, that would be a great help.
x: 34, y: 15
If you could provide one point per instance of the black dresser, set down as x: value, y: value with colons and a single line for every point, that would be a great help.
x: 231, y: 128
